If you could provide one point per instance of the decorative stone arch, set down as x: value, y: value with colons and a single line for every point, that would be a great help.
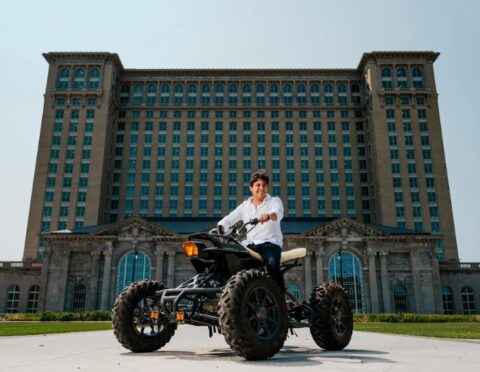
x: 132, y: 265
x: 346, y: 269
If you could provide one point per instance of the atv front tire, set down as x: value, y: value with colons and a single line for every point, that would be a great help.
x: 253, y: 315
x: 132, y: 323
x: 332, y: 319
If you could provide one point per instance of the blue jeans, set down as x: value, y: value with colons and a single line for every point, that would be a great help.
x: 271, y: 256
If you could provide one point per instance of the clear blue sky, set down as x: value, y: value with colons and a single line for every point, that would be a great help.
x: 229, y: 34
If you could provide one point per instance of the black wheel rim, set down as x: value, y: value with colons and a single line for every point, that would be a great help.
x: 338, y: 316
x: 262, y: 311
x: 143, y: 323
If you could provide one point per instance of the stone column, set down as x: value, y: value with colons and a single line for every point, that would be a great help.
x: 417, y: 286
x: 47, y: 254
x: 387, y: 308
x: 62, y: 279
x: 372, y: 278
x: 437, y: 285
x: 308, y: 273
x: 107, y: 253
x: 171, y: 269
x: 319, y: 256
x: 159, y: 263
x: 92, y: 293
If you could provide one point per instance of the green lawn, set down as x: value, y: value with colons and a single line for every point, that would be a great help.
x: 40, y: 328
x: 445, y: 330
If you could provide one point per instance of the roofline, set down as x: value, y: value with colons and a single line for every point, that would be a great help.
x: 430, y: 56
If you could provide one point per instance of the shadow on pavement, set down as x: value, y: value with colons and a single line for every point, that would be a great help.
x: 289, y: 356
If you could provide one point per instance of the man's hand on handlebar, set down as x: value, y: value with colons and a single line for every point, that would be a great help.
x: 264, y: 218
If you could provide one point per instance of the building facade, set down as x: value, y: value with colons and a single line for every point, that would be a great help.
x: 362, y: 145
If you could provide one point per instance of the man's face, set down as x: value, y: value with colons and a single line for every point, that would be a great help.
x: 259, y: 189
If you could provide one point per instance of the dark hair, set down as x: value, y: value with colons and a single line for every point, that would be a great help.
x: 258, y: 175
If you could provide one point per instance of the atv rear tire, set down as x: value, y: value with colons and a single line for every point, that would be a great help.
x: 132, y: 324
x: 332, y: 318
x: 253, y: 315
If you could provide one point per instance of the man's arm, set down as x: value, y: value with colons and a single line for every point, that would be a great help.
x: 232, y: 218
x: 275, y: 212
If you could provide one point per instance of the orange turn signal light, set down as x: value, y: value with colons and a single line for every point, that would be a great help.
x: 154, y: 314
x: 190, y: 249
x: 180, y: 316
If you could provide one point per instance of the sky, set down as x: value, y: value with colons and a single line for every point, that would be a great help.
x: 237, y: 34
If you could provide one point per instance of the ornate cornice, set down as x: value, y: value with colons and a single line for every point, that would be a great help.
x: 236, y: 74
x: 53, y: 57
x: 428, y: 56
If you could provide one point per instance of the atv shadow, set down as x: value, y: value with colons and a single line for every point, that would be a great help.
x: 288, y: 356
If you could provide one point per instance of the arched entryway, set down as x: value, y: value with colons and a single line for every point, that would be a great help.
x: 132, y: 266
x: 345, y: 268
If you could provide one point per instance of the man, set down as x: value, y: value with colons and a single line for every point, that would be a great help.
x: 266, y: 237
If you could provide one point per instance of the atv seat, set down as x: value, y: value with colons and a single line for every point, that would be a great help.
x: 286, y: 256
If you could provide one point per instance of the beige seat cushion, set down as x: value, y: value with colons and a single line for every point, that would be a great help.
x: 286, y: 256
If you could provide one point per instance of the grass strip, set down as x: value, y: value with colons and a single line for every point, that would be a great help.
x: 442, y: 330
x: 39, y: 328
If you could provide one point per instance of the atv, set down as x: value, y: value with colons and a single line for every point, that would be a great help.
x: 232, y: 294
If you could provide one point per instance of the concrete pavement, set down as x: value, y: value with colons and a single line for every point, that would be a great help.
x: 192, y: 350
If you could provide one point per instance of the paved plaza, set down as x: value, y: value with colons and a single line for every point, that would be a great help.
x: 192, y: 350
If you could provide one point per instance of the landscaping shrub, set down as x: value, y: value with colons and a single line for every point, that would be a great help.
x: 414, y: 318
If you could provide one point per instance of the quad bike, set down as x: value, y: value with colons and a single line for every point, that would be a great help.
x: 231, y: 294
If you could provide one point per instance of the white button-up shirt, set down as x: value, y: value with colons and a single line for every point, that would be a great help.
x: 268, y: 231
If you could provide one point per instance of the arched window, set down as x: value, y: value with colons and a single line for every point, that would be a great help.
x: 151, y: 94
x: 232, y: 94
x: 79, y: 295
x: 260, y: 94
x: 342, y: 94
x: 138, y: 94
x: 294, y: 290
x: 152, y: 89
x: 133, y: 267
x: 219, y: 94
x: 178, y: 95
x: 63, y: 78
x: 287, y: 94
x: 355, y: 93
x: 400, y: 298
x: 273, y: 94
x: 246, y: 94
x: 94, y: 79
x: 165, y: 94
x: 79, y: 79
x: 468, y: 301
x: 346, y: 269
x: 192, y: 94
x: 402, y: 78
x: 386, y: 78
x: 417, y: 77
x: 301, y: 99
x: 315, y: 94
x: 165, y: 88
x: 205, y: 94
x: 328, y: 94
x: 32, y: 304
x: 12, y: 299
x: 447, y: 299
x: 124, y: 94
x: 192, y: 89
x: 206, y: 88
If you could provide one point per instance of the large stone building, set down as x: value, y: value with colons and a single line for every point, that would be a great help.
x: 131, y: 161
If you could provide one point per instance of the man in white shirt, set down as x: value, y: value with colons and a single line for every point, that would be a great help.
x: 266, y: 237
